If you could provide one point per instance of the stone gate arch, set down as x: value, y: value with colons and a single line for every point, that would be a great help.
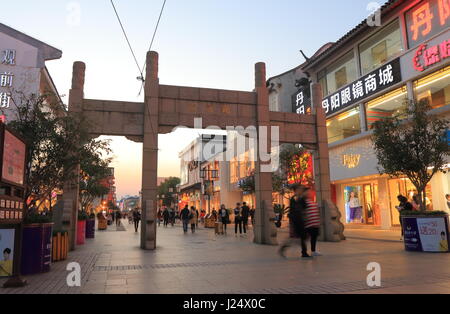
x: 166, y: 107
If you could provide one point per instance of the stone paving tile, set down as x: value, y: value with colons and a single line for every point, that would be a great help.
x: 203, y: 263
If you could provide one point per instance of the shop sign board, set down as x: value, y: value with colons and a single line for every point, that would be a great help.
x: 427, y: 19
x: 366, y: 86
x: 301, y: 101
x: 426, y: 234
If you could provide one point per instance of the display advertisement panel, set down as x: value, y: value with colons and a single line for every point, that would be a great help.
x: 13, y: 159
x: 6, y: 252
x: 426, y: 234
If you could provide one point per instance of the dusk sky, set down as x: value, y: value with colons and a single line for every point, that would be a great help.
x: 204, y: 43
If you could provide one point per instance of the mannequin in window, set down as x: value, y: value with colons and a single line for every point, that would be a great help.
x: 355, y: 208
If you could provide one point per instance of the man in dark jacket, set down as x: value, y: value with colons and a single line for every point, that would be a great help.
x: 185, y: 217
x: 245, y: 216
x: 297, y: 211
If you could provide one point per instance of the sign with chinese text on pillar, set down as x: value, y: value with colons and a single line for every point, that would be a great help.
x: 301, y: 101
x: 427, y: 19
x: 7, y: 58
x: 368, y: 85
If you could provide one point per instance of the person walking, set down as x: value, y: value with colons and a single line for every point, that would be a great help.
x: 297, y: 210
x: 166, y: 217
x: 252, y: 215
x: 312, y: 220
x: 159, y: 217
x: 238, y: 219
x: 224, y: 217
x: 245, y: 216
x: 172, y: 216
x: 136, y: 219
x: 118, y: 218
x: 184, y: 215
x: 193, y: 218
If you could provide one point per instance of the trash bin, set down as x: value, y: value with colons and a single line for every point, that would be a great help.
x: 36, y: 248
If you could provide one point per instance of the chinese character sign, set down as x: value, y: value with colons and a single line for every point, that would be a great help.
x: 376, y: 81
x: 301, y: 102
x: 8, y: 57
x: 427, y: 56
x: 427, y: 19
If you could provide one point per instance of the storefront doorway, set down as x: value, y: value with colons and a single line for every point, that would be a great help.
x: 361, y: 204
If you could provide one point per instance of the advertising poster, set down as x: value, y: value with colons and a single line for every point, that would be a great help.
x: 13, y: 159
x: 426, y: 234
x: 433, y: 234
x: 7, y: 252
x: 412, y: 236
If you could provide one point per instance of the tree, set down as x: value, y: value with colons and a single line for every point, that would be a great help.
x: 94, y: 170
x: 167, y: 190
x: 56, y: 142
x: 412, y: 144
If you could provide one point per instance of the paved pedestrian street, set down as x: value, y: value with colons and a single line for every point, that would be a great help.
x: 205, y: 264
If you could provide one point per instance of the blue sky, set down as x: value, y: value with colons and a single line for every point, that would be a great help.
x: 205, y: 43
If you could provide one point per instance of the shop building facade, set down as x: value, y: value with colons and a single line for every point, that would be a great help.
x: 368, y: 75
x: 23, y: 74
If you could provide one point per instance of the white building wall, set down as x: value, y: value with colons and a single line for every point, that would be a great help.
x: 26, y: 71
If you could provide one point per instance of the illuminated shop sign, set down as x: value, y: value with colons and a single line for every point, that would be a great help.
x: 368, y: 85
x: 427, y: 19
x: 301, y: 101
x: 427, y: 56
x: 351, y: 161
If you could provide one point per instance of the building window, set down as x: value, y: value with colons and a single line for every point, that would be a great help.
x: 381, y: 47
x: 344, y: 125
x: 434, y: 88
x: 340, y: 73
x: 386, y: 106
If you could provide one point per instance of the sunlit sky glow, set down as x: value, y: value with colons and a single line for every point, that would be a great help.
x: 205, y: 43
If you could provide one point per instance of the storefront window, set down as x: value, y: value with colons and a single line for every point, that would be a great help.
x: 405, y: 187
x: 344, y: 125
x: 341, y: 73
x: 361, y: 204
x: 380, y: 48
x: 386, y: 106
x: 434, y: 88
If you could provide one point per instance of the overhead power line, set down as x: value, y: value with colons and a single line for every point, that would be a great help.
x: 151, y: 44
x: 128, y: 41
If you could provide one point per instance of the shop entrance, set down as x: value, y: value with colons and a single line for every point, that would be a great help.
x: 361, y: 204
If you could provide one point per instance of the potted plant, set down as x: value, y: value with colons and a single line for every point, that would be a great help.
x: 36, y: 244
x: 60, y: 246
x: 90, y: 227
x: 413, y: 144
x: 81, y: 227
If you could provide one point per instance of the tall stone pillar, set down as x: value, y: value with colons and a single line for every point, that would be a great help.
x: 331, y: 228
x: 150, y: 154
x: 265, y: 231
x: 71, y: 189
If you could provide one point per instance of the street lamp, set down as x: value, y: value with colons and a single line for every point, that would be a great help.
x: 212, y: 175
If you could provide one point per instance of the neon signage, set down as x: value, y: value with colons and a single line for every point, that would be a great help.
x: 427, y: 19
x: 426, y: 56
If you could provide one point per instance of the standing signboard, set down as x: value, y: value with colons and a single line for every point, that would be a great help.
x: 426, y: 234
x: 12, y: 204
